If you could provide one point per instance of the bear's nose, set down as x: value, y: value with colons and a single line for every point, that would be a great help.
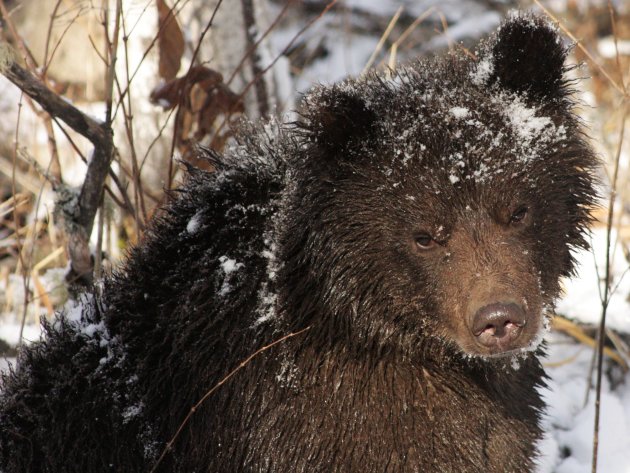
x: 498, y: 324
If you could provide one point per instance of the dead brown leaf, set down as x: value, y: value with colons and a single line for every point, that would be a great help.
x: 170, y: 41
x: 202, y: 97
x: 168, y: 95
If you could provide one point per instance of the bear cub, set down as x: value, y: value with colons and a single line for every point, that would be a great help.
x: 391, y: 259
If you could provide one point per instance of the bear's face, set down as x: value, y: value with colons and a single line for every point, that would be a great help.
x: 453, y: 198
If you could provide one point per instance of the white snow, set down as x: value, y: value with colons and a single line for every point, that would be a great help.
x: 132, y: 411
x: 460, y: 112
x: 606, y: 47
x: 533, y: 132
x: 10, y: 331
x: 582, y: 300
x: 229, y: 265
x: 267, y: 306
x: 484, y: 70
x: 524, y: 120
x: 194, y: 223
x: 570, y: 415
x: 472, y: 27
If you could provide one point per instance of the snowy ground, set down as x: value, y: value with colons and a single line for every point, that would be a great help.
x: 569, y: 422
x: 568, y: 448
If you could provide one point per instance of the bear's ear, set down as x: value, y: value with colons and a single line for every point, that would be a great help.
x: 337, y: 119
x: 526, y: 55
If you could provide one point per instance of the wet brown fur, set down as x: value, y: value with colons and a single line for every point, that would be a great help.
x: 315, y: 225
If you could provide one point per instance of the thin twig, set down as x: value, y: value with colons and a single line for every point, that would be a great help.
x: 444, y: 31
x: 49, y: 101
x: 32, y: 65
x: 51, y: 23
x: 253, y: 47
x: 157, y: 138
x: 178, y: 113
x: 112, y: 50
x: 289, y: 45
x: 82, y: 216
x: 573, y: 330
x: 98, y: 257
x: 382, y: 40
x: 403, y: 37
x: 16, y: 222
x: 609, y: 224
x: 251, y: 30
x: 58, y: 43
x: 24, y: 49
x: 606, y: 298
x: 128, y: 120
x: 240, y: 366
x: 173, y: 13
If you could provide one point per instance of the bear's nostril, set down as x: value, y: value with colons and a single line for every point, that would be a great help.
x: 498, y: 324
x: 490, y: 329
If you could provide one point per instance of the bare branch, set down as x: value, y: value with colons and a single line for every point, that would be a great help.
x: 48, y: 100
x: 251, y: 31
x: 80, y: 218
x: 607, y: 283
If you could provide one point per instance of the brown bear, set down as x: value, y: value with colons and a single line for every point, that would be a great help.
x: 408, y: 232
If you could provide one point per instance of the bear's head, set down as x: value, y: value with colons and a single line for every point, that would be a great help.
x: 442, y: 204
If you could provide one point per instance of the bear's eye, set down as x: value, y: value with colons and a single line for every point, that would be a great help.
x: 519, y: 215
x: 424, y: 241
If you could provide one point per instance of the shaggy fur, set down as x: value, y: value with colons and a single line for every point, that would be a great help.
x: 385, y: 220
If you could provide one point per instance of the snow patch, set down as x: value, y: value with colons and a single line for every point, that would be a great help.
x: 228, y: 266
x: 459, y: 112
x: 483, y: 71
x: 524, y: 120
x: 132, y: 412
x: 194, y: 223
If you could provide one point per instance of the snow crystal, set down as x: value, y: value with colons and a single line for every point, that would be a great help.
x: 287, y: 375
x: 267, y: 306
x: 92, y: 329
x: 533, y: 133
x: 524, y: 120
x: 229, y: 265
x: 515, y: 362
x: 272, y: 263
x: 132, y: 411
x: 460, y: 112
x: 73, y: 311
x: 453, y: 178
x: 194, y: 223
x: 485, y: 69
x: 80, y: 314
